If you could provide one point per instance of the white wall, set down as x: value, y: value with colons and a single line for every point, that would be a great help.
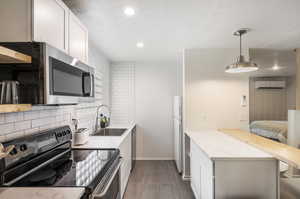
x: 212, y: 97
x: 155, y: 84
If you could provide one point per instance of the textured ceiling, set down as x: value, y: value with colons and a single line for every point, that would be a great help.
x: 168, y: 26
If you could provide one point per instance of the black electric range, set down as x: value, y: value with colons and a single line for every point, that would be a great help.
x: 46, y: 159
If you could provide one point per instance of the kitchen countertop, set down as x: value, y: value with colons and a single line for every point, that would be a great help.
x: 283, y: 152
x: 40, y: 193
x: 106, y: 142
x: 218, y: 145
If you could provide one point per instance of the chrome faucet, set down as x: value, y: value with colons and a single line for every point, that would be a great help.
x: 97, y: 115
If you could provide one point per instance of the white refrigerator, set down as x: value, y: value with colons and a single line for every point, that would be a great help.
x: 177, y: 122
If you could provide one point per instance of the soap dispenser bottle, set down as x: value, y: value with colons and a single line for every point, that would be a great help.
x: 102, y: 121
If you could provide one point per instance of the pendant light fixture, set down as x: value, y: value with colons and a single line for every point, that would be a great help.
x: 241, y: 65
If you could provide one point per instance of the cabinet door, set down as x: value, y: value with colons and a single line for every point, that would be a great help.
x: 195, y: 171
x: 78, y: 39
x: 50, y: 23
x: 207, y: 176
x: 202, y: 179
x: 125, y: 150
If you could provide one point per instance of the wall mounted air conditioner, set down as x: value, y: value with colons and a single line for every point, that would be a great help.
x: 270, y: 84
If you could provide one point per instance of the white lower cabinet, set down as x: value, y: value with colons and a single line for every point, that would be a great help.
x: 201, y: 174
x: 125, y: 150
x: 223, y: 178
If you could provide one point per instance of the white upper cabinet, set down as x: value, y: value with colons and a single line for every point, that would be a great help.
x: 50, y: 23
x: 78, y: 39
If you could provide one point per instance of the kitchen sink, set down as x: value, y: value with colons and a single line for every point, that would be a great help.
x: 109, y: 132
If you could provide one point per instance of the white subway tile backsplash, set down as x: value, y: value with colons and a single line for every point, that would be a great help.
x: 13, y: 117
x: 122, y: 93
x: 45, y: 113
x: 68, y: 117
x: 59, y: 118
x: 29, y: 115
x: 42, y: 121
x: 23, y: 125
x: 19, y: 124
x: 6, y: 128
x: 2, y: 118
x: 14, y: 135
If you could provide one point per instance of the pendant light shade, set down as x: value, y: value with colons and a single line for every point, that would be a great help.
x: 241, y: 65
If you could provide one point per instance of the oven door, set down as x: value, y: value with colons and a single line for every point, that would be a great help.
x: 112, y: 185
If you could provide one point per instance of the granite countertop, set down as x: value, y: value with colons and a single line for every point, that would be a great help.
x: 218, y: 145
x: 41, y: 193
x: 106, y: 142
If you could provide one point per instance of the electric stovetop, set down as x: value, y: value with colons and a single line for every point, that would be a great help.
x: 77, y: 168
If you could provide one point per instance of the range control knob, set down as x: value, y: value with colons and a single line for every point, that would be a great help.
x: 59, y: 134
x: 14, y: 151
x: 23, y: 147
x: 64, y: 133
x: 68, y: 131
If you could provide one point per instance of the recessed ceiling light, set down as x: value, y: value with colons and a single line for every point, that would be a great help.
x: 129, y: 11
x: 140, y: 45
x: 275, y: 67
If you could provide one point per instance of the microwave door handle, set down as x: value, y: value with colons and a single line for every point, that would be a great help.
x: 92, y: 84
x: 84, y: 75
x: 2, y: 92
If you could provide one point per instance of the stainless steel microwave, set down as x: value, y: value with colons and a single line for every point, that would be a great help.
x: 52, y: 78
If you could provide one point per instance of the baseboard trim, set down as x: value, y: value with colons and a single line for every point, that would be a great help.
x: 145, y: 158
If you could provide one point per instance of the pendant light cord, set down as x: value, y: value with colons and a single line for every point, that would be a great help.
x: 240, y: 44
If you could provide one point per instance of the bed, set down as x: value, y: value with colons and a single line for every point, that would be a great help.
x: 276, y: 130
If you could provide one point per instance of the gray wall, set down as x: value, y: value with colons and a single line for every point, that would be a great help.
x: 272, y: 104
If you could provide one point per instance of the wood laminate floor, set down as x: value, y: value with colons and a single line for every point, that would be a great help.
x: 290, y: 188
x: 157, y: 180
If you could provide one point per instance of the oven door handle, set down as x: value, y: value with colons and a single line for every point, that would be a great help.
x: 100, y: 195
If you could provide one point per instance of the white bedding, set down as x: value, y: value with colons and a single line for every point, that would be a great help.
x: 271, y: 129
